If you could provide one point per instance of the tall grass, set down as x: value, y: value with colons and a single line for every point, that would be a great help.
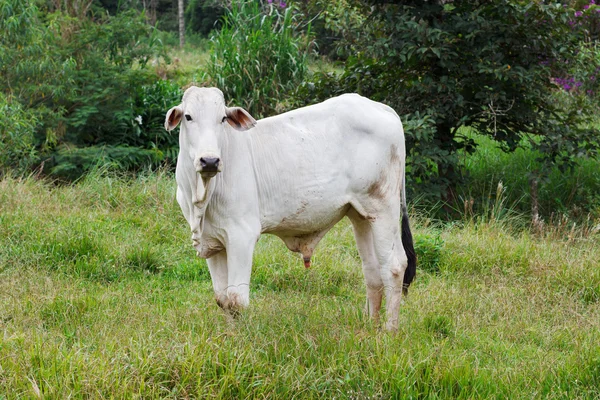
x: 101, y: 296
x: 257, y: 57
x: 574, y: 193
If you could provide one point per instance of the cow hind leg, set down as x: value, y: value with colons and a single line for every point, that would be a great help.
x: 364, y: 242
x: 392, y: 258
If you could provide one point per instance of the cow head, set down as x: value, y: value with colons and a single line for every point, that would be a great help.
x: 204, y: 120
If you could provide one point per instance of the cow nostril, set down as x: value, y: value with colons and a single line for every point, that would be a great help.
x: 209, y: 162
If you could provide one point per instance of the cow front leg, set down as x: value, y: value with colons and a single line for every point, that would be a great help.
x: 239, y: 269
x: 217, y: 265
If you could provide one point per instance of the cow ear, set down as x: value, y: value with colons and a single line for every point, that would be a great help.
x: 173, y: 118
x: 239, y: 118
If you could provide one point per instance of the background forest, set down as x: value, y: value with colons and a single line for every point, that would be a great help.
x: 489, y: 91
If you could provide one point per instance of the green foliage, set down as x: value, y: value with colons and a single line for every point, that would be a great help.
x: 203, y: 16
x: 585, y: 71
x: 575, y: 193
x: 257, y: 57
x: 17, y: 126
x: 445, y: 65
x: 72, y: 162
x: 334, y: 24
x: 146, y: 145
x: 83, y: 79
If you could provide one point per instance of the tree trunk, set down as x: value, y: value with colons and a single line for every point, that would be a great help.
x: 181, y: 25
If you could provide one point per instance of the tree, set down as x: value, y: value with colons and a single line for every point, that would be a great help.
x: 181, y: 10
x: 203, y: 16
x: 486, y: 64
x: 78, y: 87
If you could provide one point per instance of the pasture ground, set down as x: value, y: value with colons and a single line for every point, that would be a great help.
x: 101, y: 296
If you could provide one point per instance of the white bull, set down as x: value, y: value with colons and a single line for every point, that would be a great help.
x: 294, y: 175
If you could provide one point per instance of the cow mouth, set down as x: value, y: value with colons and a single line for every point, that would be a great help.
x: 208, y: 174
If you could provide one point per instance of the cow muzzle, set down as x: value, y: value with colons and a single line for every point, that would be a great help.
x: 208, y: 166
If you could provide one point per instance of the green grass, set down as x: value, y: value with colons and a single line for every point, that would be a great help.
x: 575, y: 193
x: 101, y: 296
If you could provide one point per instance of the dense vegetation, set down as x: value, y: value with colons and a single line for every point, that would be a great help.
x: 85, y: 83
x: 257, y: 59
x: 81, y: 89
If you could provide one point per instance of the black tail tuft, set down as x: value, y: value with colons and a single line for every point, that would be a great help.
x: 409, y: 249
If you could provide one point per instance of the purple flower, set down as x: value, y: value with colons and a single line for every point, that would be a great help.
x: 592, y: 78
x: 578, y: 13
x: 282, y: 4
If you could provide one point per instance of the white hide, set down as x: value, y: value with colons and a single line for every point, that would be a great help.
x: 294, y: 175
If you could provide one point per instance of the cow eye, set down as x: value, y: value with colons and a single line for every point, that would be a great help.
x: 188, y: 117
x: 223, y: 120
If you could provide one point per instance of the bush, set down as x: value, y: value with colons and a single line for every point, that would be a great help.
x: 429, y: 248
x: 334, y: 23
x: 147, y: 144
x: 83, y: 78
x: 257, y: 58
x: 17, y: 126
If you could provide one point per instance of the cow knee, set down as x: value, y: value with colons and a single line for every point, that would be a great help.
x: 398, y: 272
x: 398, y: 267
x: 373, y: 279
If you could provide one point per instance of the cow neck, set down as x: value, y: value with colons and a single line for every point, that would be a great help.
x: 265, y: 158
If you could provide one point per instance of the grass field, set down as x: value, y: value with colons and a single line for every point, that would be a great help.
x: 101, y: 296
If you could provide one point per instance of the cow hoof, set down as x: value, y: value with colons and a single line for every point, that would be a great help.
x: 222, y: 302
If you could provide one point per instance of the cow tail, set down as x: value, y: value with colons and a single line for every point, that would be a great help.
x: 407, y: 243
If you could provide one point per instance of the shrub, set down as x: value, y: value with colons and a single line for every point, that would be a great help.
x: 202, y: 16
x: 81, y: 78
x: 257, y: 58
x: 17, y: 126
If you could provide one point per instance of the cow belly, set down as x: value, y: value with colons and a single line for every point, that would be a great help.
x: 306, y: 218
x: 301, y: 232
